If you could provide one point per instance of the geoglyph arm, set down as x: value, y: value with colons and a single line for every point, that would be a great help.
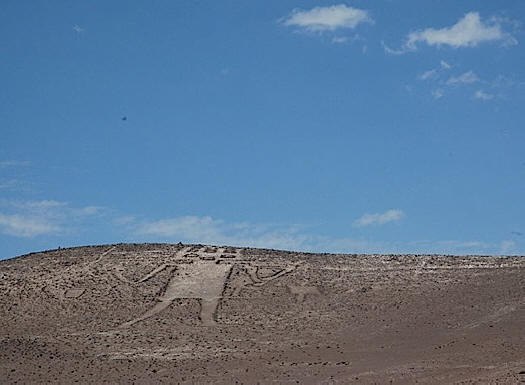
x: 263, y: 281
x: 155, y: 272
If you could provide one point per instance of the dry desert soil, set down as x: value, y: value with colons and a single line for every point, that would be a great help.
x: 192, y: 314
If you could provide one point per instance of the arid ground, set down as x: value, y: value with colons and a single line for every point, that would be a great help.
x: 158, y: 313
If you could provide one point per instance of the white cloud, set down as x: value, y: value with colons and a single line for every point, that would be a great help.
x: 445, y: 65
x: 48, y: 217
x: 507, y: 247
x: 462, y: 244
x: 124, y: 220
x: 435, y: 72
x: 184, y: 227
x: 215, y: 231
x: 437, y: 93
x: 25, y: 226
x: 15, y: 185
x: 88, y: 210
x: 339, y: 39
x: 465, y: 78
x: 36, y: 205
x: 502, y: 81
x: 33, y: 218
x: 9, y: 184
x: 207, y: 230
x: 428, y: 74
x: 78, y: 29
x: 330, y: 18
x: 379, y: 219
x: 435, y: 77
x: 469, y: 31
x: 481, y: 95
x: 14, y: 163
x: 392, y: 51
x: 451, y: 247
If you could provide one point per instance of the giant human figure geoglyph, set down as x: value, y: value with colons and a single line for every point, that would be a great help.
x: 203, y: 279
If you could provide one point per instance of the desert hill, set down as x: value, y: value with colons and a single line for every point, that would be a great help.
x: 161, y: 313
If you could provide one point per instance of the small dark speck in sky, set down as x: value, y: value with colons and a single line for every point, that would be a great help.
x: 516, y: 233
x: 124, y: 118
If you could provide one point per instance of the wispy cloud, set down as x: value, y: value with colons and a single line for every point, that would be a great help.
x: 185, y: 227
x: 14, y: 163
x: 78, y: 29
x: 124, y: 220
x: 508, y: 246
x: 461, y: 244
x: 446, y: 78
x: 88, y: 210
x: 502, y: 81
x: 33, y: 218
x: 379, y: 218
x: 216, y: 231
x: 437, y: 93
x: 444, y: 65
x: 428, y: 74
x: 330, y: 18
x: 435, y: 72
x: 469, y: 31
x: 452, y: 247
x: 482, y: 95
x: 35, y: 205
x: 52, y: 218
x: 10, y: 184
x: 339, y: 39
x: 465, y: 78
x: 440, y: 84
x: 25, y: 226
x: 208, y: 230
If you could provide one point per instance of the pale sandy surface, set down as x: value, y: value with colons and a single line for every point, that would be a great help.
x: 188, y: 314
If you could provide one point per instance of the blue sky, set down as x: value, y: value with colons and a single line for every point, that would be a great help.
x: 360, y: 126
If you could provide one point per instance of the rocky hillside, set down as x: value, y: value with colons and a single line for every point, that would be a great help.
x: 158, y: 313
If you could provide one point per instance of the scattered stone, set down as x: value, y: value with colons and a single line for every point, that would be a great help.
x: 74, y: 293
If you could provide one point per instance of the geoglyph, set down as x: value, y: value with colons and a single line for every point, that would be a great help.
x: 203, y: 273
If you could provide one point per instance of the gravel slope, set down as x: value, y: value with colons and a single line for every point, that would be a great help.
x: 158, y: 313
